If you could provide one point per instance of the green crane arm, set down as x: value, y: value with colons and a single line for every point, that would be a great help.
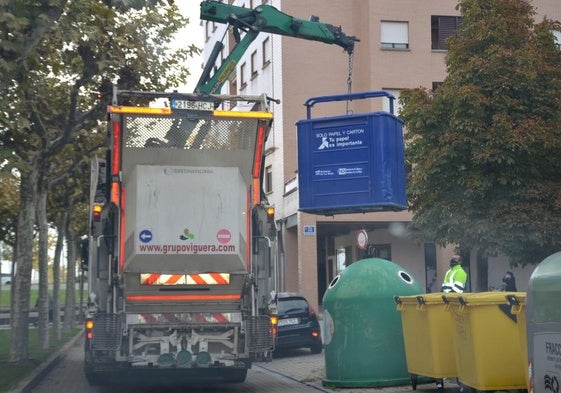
x: 263, y: 18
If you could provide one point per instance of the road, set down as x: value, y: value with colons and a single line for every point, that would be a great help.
x: 68, y: 377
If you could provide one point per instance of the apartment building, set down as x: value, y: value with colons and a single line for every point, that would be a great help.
x: 402, y: 45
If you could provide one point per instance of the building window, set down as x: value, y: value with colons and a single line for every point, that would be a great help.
x: 253, y: 64
x: 436, y: 85
x: 394, y: 35
x: 269, y: 179
x: 443, y: 27
x: 266, y: 52
x: 243, y: 81
x: 557, y: 37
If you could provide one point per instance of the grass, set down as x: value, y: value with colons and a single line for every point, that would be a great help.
x: 5, y: 296
x: 11, y: 374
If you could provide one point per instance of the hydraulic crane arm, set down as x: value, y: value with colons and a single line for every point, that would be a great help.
x: 263, y: 18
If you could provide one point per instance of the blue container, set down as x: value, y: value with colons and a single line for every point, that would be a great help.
x: 351, y: 163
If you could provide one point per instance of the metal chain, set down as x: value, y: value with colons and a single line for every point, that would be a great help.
x: 350, y: 79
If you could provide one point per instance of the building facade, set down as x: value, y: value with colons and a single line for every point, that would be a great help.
x: 402, y: 45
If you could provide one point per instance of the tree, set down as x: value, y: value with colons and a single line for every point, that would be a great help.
x: 9, y: 204
x: 484, y: 146
x: 23, y: 27
x: 49, y: 96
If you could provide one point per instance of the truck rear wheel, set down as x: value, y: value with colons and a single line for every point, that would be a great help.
x: 93, y: 379
x: 238, y: 376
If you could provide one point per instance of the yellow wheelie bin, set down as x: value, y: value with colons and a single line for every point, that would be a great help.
x: 517, y: 302
x: 487, y: 341
x: 427, y: 335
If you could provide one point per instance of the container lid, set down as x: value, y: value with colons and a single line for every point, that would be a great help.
x: 484, y: 298
x: 425, y: 298
x: 547, y: 275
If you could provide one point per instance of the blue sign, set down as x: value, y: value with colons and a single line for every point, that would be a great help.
x: 145, y: 236
x: 309, y: 230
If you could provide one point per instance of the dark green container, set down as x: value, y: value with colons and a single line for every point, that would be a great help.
x: 362, y: 329
x: 543, y: 325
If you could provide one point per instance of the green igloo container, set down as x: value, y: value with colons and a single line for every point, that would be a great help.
x: 363, y: 335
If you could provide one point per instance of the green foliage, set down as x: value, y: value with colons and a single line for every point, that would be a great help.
x: 487, y: 173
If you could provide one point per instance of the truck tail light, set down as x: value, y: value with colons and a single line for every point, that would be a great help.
x: 96, y: 211
x: 271, y: 214
x: 89, y: 328
x: 274, y: 323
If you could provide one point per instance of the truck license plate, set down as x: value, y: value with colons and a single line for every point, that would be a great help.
x: 193, y: 105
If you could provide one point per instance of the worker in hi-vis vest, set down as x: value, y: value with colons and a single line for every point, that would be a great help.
x: 456, y: 277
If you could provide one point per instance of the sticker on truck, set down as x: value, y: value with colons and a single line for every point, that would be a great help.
x: 188, y: 210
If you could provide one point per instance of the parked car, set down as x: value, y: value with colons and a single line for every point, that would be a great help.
x: 298, y: 325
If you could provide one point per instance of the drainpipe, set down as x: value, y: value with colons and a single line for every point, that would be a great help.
x: 281, y: 267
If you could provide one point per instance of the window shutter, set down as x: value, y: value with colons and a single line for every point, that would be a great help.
x: 447, y: 25
x: 394, y: 33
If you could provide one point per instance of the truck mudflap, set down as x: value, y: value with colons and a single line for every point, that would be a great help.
x: 177, y: 340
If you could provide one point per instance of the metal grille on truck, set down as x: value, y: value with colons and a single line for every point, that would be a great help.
x: 180, y: 132
x: 106, y: 332
x: 260, y: 334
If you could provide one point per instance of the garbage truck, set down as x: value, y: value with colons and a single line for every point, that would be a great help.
x: 182, y: 243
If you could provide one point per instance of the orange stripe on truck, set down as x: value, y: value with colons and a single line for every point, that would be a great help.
x: 185, y: 279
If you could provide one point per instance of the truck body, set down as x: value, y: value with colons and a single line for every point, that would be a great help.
x: 182, y: 244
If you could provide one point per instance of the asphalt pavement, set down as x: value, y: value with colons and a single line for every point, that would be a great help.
x: 299, y: 365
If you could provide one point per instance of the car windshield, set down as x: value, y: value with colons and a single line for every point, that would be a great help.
x: 291, y: 305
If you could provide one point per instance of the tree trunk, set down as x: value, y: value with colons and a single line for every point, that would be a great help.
x: 56, y: 275
x: 19, y: 321
x: 69, y: 306
x: 44, y: 305
x: 482, y: 272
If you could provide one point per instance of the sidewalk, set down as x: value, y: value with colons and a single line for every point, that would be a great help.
x: 30, y: 381
x: 304, y: 367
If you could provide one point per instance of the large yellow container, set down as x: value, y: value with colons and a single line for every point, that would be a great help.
x: 427, y: 335
x: 517, y: 300
x: 487, y: 341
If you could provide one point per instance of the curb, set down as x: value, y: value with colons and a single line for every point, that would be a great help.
x: 315, y: 385
x: 33, y: 379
